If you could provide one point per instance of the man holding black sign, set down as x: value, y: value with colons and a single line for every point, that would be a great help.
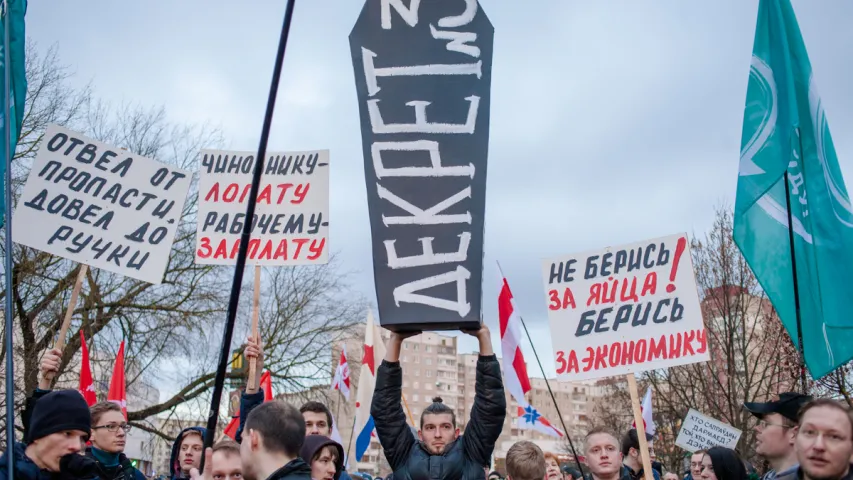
x: 441, y: 448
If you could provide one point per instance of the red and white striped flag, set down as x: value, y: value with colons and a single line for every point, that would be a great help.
x: 341, y: 381
x: 515, y: 371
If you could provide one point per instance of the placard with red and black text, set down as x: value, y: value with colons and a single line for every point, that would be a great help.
x: 624, y: 309
x: 291, y: 222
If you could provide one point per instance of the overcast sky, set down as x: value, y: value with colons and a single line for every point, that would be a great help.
x: 611, y: 121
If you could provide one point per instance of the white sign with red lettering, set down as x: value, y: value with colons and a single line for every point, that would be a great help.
x: 291, y: 222
x: 624, y: 309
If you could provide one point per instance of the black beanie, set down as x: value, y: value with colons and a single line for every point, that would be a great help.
x: 59, y: 411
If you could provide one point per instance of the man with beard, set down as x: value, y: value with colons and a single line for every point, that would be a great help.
x: 441, y: 453
x: 824, y: 441
x: 776, y: 433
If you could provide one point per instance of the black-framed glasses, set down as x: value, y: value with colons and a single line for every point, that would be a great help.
x: 113, y: 427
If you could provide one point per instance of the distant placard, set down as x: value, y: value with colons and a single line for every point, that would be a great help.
x: 100, y: 205
x: 700, y: 432
x: 423, y: 79
x: 291, y: 223
x: 624, y: 309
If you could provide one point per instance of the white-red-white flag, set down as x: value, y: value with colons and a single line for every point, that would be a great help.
x: 646, y: 408
x: 514, y: 368
x: 342, y: 381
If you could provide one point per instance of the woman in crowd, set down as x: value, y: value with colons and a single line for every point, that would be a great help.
x: 721, y: 463
x: 552, y: 467
x: 324, y: 455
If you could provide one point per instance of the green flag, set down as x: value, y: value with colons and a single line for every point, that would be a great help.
x: 785, y: 129
x: 14, y: 60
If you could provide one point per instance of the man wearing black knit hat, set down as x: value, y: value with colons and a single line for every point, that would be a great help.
x: 58, y: 429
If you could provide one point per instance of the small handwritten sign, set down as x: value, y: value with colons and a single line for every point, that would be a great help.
x: 700, y: 432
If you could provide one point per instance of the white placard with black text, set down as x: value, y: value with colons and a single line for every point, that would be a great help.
x: 101, y: 205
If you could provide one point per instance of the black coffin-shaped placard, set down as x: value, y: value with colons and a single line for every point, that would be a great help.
x: 423, y: 75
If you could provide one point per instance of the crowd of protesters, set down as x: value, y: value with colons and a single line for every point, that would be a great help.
x: 800, y: 438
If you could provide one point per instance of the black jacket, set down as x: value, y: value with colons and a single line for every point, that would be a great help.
x: 295, y: 470
x: 72, y: 467
x: 465, y: 458
x: 123, y: 471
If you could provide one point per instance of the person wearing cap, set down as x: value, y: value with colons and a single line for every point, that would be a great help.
x: 59, y: 426
x: 776, y: 433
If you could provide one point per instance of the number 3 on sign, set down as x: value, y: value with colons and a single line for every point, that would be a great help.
x: 558, y: 303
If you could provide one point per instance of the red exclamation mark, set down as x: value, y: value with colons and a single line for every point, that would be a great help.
x: 679, y: 249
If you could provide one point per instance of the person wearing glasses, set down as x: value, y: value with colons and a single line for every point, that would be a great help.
x: 109, y: 435
x: 776, y: 433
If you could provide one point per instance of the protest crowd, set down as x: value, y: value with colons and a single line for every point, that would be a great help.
x: 613, y: 312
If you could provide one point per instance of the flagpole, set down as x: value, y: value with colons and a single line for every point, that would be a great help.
x: 796, y: 286
x: 219, y: 382
x: 9, y: 307
x: 548, y: 384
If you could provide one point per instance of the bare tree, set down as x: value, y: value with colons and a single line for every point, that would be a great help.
x: 752, y: 357
x: 173, y: 330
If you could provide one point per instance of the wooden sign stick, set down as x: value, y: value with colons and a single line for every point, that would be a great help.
x: 66, y: 322
x: 641, y: 427
x: 256, y: 306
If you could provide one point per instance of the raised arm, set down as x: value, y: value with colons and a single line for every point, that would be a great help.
x: 489, y: 409
x: 387, y: 411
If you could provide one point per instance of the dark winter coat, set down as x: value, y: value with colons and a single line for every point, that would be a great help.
x: 174, y: 462
x: 73, y: 466
x: 249, y: 401
x: 124, y: 470
x: 463, y: 459
x: 295, y: 470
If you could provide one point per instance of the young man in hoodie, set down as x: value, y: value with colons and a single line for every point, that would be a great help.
x: 325, y: 457
x: 59, y: 426
x: 109, y: 435
x: 272, y: 440
x: 186, y: 452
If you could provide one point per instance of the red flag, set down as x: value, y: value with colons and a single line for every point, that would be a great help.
x: 231, y: 428
x: 87, y: 385
x: 234, y: 424
x: 117, y: 386
x: 266, y: 384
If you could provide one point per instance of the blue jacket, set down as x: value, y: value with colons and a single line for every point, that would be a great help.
x: 25, y: 469
x: 174, y: 465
